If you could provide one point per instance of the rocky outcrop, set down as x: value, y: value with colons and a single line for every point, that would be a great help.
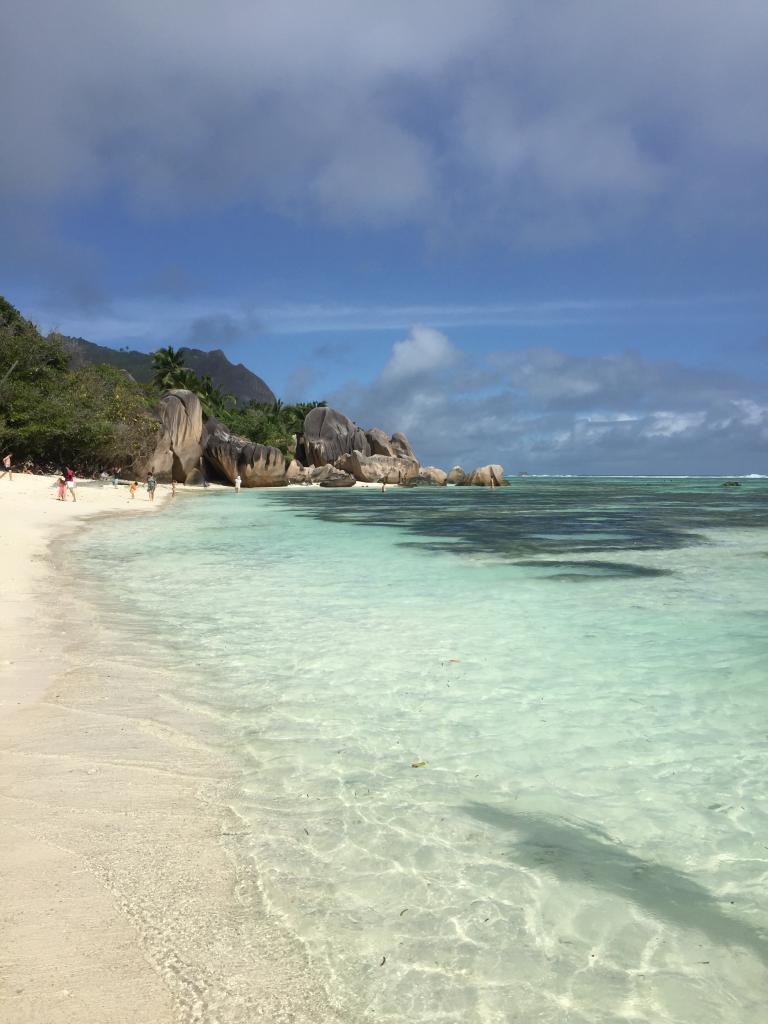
x: 296, y: 473
x: 427, y: 476
x: 336, y: 478
x: 456, y: 475
x: 380, y: 443
x: 178, y: 449
x: 329, y: 434
x: 377, y: 468
x: 228, y: 455
x: 402, y: 447
x: 486, y: 476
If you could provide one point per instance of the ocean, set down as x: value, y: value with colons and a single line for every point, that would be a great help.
x: 499, y: 755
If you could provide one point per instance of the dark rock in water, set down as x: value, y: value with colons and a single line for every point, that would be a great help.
x: 228, y: 455
x: 337, y: 478
x: 178, y: 449
x: 377, y: 468
x: 428, y: 476
x: 456, y: 475
x: 731, y: 483
x: 486, y: 476
x: 329, y: 434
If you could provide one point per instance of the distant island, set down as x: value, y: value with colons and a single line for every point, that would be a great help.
x: 185, y: 415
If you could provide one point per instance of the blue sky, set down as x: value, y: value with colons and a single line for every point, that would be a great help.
x: 530, y: 232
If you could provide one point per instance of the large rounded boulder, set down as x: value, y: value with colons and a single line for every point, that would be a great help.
x: 427, y: 476
x: 486, y: 476
x: 402, y: 447
x: 178, y: 450
x: 337, y: 478
x: 456, y: 475
x: 329, y: 434
x: 374, y: 469
x: 379, y: 442
x: 229, y: 455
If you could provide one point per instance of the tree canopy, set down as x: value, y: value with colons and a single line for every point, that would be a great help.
x: 95, y: 416
x: 51, y: 414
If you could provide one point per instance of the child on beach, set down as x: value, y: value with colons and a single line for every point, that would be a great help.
x: 133, y: 488
x: 62, y: 489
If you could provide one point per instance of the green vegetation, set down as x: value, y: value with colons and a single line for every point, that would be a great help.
x: 276, y: 425
x: 56, y: 409
x: 273, y: 424
x: 51, y: 414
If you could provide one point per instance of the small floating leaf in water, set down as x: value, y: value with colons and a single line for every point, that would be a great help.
x: 383, y: 961
x: 418, y: 764
x: 404, y: 911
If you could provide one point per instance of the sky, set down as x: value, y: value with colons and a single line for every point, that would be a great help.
x: 521, y: 231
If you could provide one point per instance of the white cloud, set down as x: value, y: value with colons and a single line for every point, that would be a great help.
x: 532, y: 410
x: 424, y: 351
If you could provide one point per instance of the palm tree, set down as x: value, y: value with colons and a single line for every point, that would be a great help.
x: 168, y: 364
x: 213, y: 399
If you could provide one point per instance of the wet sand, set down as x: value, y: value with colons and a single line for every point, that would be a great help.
x: 126, y: 897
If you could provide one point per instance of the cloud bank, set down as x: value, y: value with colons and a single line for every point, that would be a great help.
x: 545, y: 411
x: 545, y: 124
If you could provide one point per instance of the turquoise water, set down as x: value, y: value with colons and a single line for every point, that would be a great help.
x: 580, y: 665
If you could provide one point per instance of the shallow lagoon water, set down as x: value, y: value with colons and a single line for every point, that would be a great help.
x: 581, y: 665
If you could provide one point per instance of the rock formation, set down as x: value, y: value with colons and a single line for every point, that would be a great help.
x: 377, y: 468
x: 380, y: 443
x: 178, y: 449
x: 229, y: 455
x: 486, y: 476
x: 333, y: 452
x: 336, y: 478
x: 296, y: 473
x: 427, y: 476
x: 402, y: 447
x: 329, y: 434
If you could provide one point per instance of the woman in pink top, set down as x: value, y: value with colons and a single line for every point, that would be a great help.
x: 69, y: 476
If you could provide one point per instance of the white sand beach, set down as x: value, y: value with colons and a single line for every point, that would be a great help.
x: 123, y: 900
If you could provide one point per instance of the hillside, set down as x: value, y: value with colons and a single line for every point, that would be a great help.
x: 233, y: 378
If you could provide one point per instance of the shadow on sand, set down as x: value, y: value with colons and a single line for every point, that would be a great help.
x: 583, y: 853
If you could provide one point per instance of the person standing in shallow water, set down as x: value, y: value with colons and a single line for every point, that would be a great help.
x: 238, y: 481
x: 7, y: 466
x: 151, y: 485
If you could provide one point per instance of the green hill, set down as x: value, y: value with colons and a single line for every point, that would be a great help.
x: 232, y: 378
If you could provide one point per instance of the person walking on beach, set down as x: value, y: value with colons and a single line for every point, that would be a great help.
x: 7, y: 466
x: 133, y: 488
x: 69, y: 479
x: 238, y: 481
x: 62, y: 489
x: 116, y: 476
x: 151, y: 485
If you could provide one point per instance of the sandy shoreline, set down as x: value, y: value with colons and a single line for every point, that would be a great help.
x: 126, y: 896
